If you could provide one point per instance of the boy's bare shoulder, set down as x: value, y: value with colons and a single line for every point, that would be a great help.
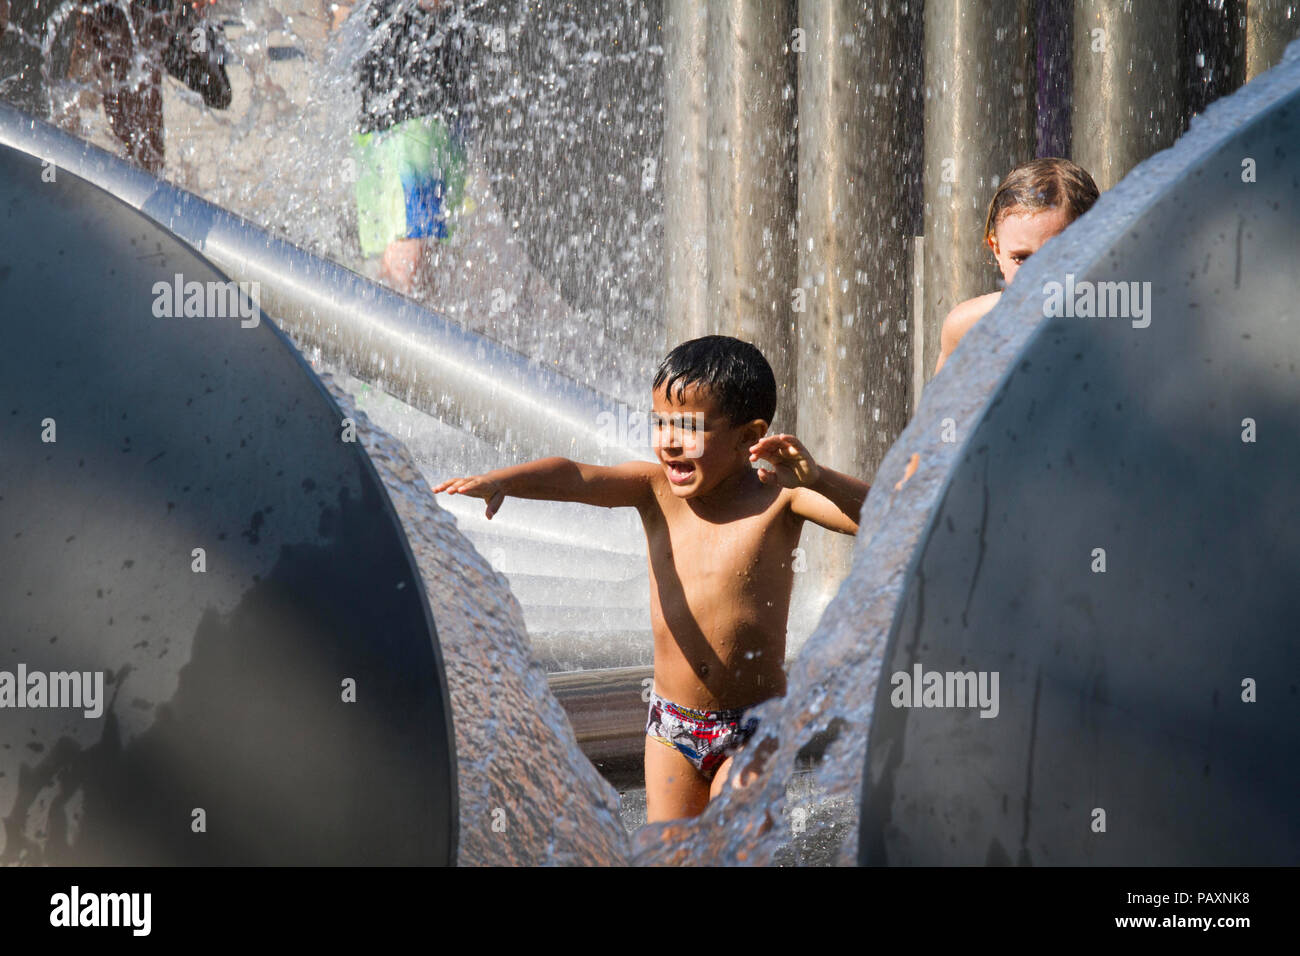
x: 629, y: 484
x: 639, y: 468
x: 785, y: 502
x: 648, y: 472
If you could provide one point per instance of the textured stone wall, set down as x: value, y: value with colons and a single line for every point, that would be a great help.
x: 528, y: 796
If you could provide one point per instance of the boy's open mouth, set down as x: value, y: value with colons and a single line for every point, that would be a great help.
x: 680, y: 472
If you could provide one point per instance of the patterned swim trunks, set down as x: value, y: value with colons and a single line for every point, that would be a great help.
x: 705, y: 737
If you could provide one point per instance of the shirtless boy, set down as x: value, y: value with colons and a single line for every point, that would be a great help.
x: 720, y: 537
x: 1036, y: 201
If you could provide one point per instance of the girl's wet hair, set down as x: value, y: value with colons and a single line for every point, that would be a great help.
x: 735, y: 373
x: 1043, y: 184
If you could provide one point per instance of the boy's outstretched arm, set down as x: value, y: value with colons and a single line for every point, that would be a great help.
x: 559, y: 479
x: 822, y: 495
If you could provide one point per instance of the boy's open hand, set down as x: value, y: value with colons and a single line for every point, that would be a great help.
x: 794, y: 464
x: 476, y: 487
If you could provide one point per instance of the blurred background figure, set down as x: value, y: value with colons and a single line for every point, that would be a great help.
x: 120, y: 62
x: 22, y: 24
x: 416, y: 84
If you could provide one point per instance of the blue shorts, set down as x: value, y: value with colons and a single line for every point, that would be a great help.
x: 410, y: 181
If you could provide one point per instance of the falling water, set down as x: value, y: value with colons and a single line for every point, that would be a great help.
x: 555, y: 254
x: 559, y: 258
x: 558, y: 255
x: 525, y: 267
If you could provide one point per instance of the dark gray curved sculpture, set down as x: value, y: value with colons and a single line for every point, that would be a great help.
x: 1147, y: 714
x: 183, y: 526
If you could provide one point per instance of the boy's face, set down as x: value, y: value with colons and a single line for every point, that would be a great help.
x: 697, y: 444
x: 1018, y: 235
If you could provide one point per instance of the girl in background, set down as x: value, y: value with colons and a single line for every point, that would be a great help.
x: 1036, y: 201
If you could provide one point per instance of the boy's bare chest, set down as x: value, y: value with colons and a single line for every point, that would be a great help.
x: 706, y: 547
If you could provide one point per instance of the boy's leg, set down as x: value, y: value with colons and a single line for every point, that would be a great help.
x: 402, y: 264
x: 745, y: 778
x: 720, y: 779
x: 673, y: 787
x: 755, y: 758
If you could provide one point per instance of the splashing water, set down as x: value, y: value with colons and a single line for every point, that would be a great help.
x: 557, y: 255
x: 556, y: 250
x: 528, y: 796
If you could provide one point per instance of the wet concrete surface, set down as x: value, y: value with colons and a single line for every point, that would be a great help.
x: 816, y: 832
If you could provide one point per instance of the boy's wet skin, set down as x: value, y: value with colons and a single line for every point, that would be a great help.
x: 720, y: 542
x: 721, y: 565
x: 720, y: 538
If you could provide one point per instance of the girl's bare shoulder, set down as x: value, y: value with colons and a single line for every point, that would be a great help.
x: 972, y: 310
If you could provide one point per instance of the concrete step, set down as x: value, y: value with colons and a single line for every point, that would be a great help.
x: 552, y: 618
x: 515, y: 552
x: 580, y: 650
x: 536, y: 590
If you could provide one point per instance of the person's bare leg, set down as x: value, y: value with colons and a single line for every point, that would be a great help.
x: 755, y: 758
x: 720, y: 779
x: 744, y: 778
x: 673, y: 787
x: 82, y: 72
x: 134, y: 112
x: 136, y: 117
x: 338, y: 13
x: 403, y: 264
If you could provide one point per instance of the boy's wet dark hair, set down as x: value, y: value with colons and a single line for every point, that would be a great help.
x: 1043, y: 184
x: 735, y: 373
